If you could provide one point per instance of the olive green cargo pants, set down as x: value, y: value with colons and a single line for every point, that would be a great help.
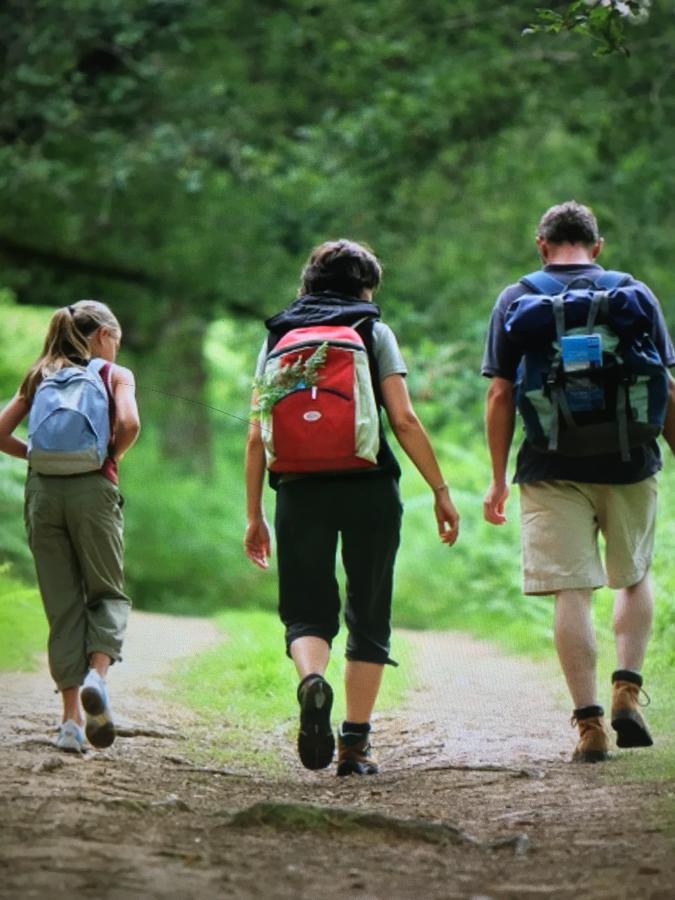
x: 75, y: 533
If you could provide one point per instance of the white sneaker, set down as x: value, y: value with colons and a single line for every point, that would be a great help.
x: 70, y: 737
x: 98, y: 726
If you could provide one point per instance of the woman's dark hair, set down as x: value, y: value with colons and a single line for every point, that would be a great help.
x: 342, y: 266
x: 569, y: 223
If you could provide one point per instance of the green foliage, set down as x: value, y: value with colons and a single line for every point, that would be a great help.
x: 21, y: 336
x: 604, y: 21
x: 300, y: 374
x: 23, y: 626
x: 184, y: 535
x: 13, y: 546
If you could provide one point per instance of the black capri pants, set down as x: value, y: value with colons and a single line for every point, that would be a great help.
x: 310, y: 514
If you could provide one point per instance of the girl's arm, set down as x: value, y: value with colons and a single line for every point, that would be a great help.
x: 127, y: 421
x: 413, y: 439
x: 10, y: 417
x: 257, y: 545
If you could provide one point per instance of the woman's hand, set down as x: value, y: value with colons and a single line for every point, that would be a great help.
x: 257, y: 544
x: 447, y: 517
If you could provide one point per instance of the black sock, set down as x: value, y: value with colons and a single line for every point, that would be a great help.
x: 627, y: 675
x: 355, y: 727
x: 588, y: 712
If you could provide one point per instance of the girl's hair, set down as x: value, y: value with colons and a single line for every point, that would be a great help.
x: 342, y: 266
x: 67, y: 341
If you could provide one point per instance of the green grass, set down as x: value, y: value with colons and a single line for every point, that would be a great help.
x: 23, y: 626
x: 245, y: 688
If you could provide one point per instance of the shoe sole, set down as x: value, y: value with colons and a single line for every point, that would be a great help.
x: 316, y: 742
x: 346, y: 767
x: 630, y: 730
x: 73, y: 748
x: 99, y: 727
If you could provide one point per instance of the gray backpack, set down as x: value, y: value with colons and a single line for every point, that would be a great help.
x: 69, y: 421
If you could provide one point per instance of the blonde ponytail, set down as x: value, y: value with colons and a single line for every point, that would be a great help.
x: 67, y: 341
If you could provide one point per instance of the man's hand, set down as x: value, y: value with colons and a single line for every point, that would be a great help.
x: 257, y: 544
x: 494, y: 503
x: 447, y: 518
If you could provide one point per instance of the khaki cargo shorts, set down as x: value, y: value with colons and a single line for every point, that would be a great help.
x: 560, y: 524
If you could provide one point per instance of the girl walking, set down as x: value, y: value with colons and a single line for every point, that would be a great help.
x: 349, y: 492
x: 82, y: 418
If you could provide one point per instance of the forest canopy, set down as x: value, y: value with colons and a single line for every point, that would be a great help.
x: 179, y: 158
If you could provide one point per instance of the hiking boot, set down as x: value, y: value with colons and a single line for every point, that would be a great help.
x: 316, y: 743
x: 98, y: 726
x: 627, y: 720
x: 70, y: 737
x: 593, y: 742
x: 355, y: 754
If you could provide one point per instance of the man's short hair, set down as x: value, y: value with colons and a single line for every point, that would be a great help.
x: 569, y: 223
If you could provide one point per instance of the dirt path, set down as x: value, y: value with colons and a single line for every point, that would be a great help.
x: 475, y: 800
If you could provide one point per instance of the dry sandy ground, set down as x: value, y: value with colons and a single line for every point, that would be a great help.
x: 476, y: 798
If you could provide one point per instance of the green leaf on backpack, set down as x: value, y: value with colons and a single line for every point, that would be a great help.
x: 301, y: 374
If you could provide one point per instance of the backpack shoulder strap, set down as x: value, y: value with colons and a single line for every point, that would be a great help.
x: 611, y: 279
x: 542, y: 283
x: 96, y: 364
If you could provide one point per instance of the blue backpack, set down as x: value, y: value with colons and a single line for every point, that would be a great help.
x: 69, y: 421
x: 591, y: 380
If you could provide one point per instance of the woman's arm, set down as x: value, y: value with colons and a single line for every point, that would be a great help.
x: 127, y: 420
x: 257, y: 545
x: 414, y: 440
x: 10, y: 418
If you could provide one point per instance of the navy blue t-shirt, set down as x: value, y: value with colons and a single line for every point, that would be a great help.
x: 501, y: 359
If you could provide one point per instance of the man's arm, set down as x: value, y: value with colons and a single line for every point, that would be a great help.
x: 499, y: 426
x: 669, y: 425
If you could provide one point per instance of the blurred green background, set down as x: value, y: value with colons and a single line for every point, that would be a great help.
x: 179, y: 158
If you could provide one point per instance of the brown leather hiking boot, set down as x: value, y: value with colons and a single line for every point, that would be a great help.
x: 627, y: 720
x: 355, y: 755
x: 593, y: 742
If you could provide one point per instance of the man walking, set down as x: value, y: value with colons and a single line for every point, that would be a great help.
x: 567, y: 499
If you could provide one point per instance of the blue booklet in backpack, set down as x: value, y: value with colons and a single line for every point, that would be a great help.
x: 581, y: 351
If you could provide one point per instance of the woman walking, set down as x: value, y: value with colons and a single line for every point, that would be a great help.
x: 301, y: 401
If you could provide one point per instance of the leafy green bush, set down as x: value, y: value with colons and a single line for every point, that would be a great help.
x: 23, y: 626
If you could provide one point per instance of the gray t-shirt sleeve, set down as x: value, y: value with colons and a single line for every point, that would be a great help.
x: 387, y: 352
x: 260, y: 363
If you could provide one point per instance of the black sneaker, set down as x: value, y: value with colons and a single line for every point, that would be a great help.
x: 355, y: 755
x: 316, y: 744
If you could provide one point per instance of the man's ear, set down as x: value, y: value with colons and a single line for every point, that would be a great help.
x: 596, y: 249
x: 542, y: 246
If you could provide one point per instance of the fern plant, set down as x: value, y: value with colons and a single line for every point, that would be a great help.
x: 296, y: 376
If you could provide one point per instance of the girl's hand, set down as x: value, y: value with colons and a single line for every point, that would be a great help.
x: 447, y: 518
x: 257, y: 544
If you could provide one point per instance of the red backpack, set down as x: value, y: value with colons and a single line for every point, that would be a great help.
x: 316, y: 402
